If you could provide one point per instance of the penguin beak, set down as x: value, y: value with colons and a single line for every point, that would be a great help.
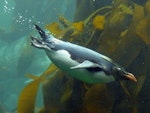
x: 131, y: 77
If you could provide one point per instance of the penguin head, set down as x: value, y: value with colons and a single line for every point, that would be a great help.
x: 121, y: 74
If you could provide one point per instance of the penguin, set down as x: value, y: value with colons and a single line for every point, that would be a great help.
x: 80, y: 62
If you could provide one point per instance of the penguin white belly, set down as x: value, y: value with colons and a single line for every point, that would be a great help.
x: 62, y: 59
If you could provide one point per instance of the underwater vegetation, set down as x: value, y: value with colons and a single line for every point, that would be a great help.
x: 120, y: 31
x: 2, y: 110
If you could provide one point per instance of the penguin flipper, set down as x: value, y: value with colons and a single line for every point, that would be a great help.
x: 86, y: 64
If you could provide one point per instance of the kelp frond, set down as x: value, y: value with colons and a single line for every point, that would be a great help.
x: 27, y: 98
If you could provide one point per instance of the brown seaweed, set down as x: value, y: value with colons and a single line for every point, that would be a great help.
x: 57, y: 90
x: 54, y: 28
x: 2, y: 110
x: 142, y: 30
x: 26, y: 102
x: 98, y: 100
x: 98, y: 22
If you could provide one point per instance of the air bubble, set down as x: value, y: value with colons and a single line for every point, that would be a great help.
x: 29, y: 20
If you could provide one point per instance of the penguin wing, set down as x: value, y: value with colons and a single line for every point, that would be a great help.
x: 87, y: 64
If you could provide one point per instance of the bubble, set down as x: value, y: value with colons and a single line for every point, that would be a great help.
x: 29, y: 20
x: 20, y: 17
x: 6, y: 2
x: 18, y: 13
x: 38, y: 22
x: 7, y: 7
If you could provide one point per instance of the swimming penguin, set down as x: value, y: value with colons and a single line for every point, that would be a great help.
x: 79, y: 62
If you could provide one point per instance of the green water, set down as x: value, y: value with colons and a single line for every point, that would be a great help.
x: 18, y: 58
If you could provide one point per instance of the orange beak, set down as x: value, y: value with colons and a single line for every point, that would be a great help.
x: 131, y: 77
